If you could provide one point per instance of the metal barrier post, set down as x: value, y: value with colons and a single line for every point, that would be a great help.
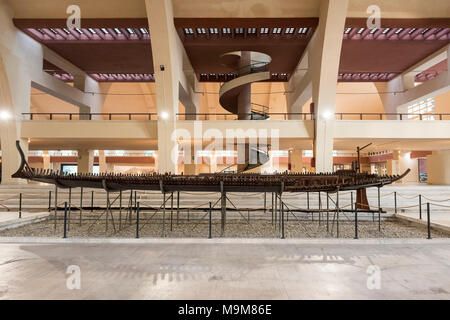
x: 328, y: 213
x: 81, y: 203
x: 420, y: 206
x: 265, y: 201
x: 56, y: 206
x: 395, y: 201
x: 428, y: 221
x: 49, y: 200
x: 20, y: 205
x: 356, y: 221
x: 171, y: 211
x: 70, y: 206
x: 137, y: 221
x: 210, y: 221
x: 337, y: 213
x: 282, y: 217
x: 65, y: 220
x: 92, y: 201
x: 379, y: 210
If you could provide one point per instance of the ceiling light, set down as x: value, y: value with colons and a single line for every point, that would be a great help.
x: 105, y: 31
x: 92, y: 31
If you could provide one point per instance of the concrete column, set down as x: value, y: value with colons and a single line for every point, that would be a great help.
x: 190, y: 165
x: 102, y: 162
x: 85, y: 161
x: 167, y: 52
x: 438, y: 168
x: 15, y: 86
x: 296, y: 160
x: 46, y: 158
x: 324, y: 57
x: 212, y: 162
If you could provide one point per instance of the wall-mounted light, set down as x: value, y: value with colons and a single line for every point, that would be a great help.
x: 164, y: 115
x: 327, y: 115
x: 5, y: 115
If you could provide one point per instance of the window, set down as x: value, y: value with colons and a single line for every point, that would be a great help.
x: 276, y: 30
x: 424, y: 108
x: 188, y: 31
x: 289, y: 30
x: 264, y: 30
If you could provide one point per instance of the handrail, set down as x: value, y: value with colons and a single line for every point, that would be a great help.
x: 230, y: 116
x: 89, y: 116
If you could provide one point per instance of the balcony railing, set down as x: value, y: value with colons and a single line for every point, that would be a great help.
x: 89, y: 116
x: 230, y: 116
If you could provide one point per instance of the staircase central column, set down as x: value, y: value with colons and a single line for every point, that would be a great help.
x: 244, y: 98
x: 244, y: 106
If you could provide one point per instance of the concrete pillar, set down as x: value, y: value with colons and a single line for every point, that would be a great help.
x: 438, y: 168
x: 324, y: 57
x: 212, y: 162
x: 190, y: 165
x: 102, y: 162
x: 15, y: 86
x: 46, y: 162
x: 167, y: 52
x: 296, y: 160
x: 85, y: 161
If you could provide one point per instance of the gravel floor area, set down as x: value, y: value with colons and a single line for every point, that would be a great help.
x: 95, y: 225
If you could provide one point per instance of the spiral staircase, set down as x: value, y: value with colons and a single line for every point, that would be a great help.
x: 253, y: 69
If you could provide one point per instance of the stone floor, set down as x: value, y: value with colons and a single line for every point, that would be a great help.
x: 227, y: 269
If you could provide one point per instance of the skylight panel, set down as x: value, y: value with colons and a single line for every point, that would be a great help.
x: 201, y: 30
x: 226, y: 30
x: 251, y: 30
x: 276, y: 30
x: 213, y: 30
x: 117, y: 31
x: 92, y: 31
x: 386, y: 30
x: 289, y: 30
x: 130, y: 30
x: 347, y: 30
x: 105, y: 31
x: 143, y: 30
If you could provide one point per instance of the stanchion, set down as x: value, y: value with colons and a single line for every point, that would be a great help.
x: 282, y: 218
x: 395, y: 201
x: 81, y: 203
x: 356, y: 220
x: 20, y: 205
x: 56, y: 207
x: 379, y: 210
x: 265, y: 201
x: 92, y: 201
x: 337, y: 213
x: 171, y: 211
x: 272, y: 208
x: 70, y: 207
x: 137, y: 220
x: 65, y: 220
x: 307, y: 205
x: 328, y: 212
x: 120, y: 209
x: 164, y: 216
x: 49, y: 200
x: 210, y: 221
x: 178, y: 206
x: 428, y: 221
x: 420, y: 206
x: 351, y: 200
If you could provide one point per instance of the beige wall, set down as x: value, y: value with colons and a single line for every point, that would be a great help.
x: 438, y: 168
x: 442, y: 103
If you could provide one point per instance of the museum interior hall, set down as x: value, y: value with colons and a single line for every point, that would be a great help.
x: 216, y: 86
